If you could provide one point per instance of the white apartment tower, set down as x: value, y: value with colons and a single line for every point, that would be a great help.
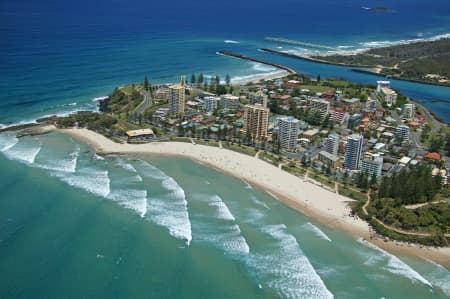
x: 288, y: 131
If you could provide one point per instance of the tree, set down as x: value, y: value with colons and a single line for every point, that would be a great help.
x: 146, y: 84
x: 227, y: 80
x: 193, y: 79
x: 318, y: 78
x: 373, y: 180
x: 217, y: 80
x: 200, y: 78
x: 140, y: 119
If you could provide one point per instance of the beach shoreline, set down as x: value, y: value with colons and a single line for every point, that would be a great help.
x: 315, y: 202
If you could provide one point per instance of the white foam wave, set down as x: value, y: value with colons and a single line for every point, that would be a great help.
x: 99, y: 98
x: 230, y: 41
x: 395, y: 265
x: 171, y: 212
x: 440, y: 277
x: 97, y: 157
x: 225, y: 235
x: 133, y: 199
x: 23, y: 153
x: 262, y: 67
x: 92, y: 180
x: 317, y: 231
x: 66, y: 165
x: 256, y: 77
x: 222, y: 209
x: 228, y: 238
x: 247, y: 185
x: 126, y: 166
x: 259, y: 202
x: 7, y: 141
x: 386, y: 43
x: 286, y: 268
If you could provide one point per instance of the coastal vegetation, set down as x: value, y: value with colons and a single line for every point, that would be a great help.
x: 422, y: 61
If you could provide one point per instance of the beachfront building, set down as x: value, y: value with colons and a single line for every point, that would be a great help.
x: 409, y: 111
x: 258, y: 97
x: 402, y: 134
x: 332, y: 144
x: 140, y: 135
x: 373, y: 165
x: 210, y: 104
x: 256, y: 121
x: 176, y: 99
x: 229, y: 102
x: 288, y: 130
x: 329, y: 160
x: 321, y: 106
x: 353, y: 152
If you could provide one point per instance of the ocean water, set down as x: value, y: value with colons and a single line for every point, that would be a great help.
x: 73, y: 224
x: 58, y: 56
x: 79, y: 225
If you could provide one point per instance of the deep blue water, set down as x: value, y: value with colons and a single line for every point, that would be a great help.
x: 56, y: 53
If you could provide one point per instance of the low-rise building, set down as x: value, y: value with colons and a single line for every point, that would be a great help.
x: 328, y: 159
x: 311, y: 134
x: 332, y: 144
x: 229, y: 102
x: 409, y: 111
x: 402, y: 134
x: 373, y: 165
x: 389, y: 96
x: 210, y: 104
x: 338, y: 116
x: 321, y: 106
x: 140, y: 135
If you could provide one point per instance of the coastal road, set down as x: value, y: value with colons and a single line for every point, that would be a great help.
x: 145, y: 104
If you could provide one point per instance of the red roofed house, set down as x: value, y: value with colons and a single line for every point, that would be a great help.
x: 433, y: 156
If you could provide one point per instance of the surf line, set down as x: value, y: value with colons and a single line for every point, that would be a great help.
x: 239, y: 56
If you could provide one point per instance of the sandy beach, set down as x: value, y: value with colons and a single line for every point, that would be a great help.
x: 324, y: 206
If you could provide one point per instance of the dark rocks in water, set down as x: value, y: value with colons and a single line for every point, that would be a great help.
x: 103, y: 105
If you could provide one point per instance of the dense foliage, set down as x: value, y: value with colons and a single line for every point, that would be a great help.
x: 409, y: 61
x: 433, y: 218
x: 410, y: 186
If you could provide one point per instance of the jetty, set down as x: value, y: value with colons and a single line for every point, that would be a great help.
x: 311, y: 59
x: 283, y: 67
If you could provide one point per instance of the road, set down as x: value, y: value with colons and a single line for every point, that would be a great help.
x: 145, y: 104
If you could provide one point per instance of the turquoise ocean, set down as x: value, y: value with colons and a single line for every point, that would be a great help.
x: 76, y: 225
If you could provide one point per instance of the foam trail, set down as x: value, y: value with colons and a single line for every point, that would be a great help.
x: 226, y: 235
x: 7, y: 141
x: 66, y: 165
x: 228, y: 238
x: 287, y: 269
x: 21, y: 153
x: 229, y: 41
x: 222, y: 209
x: 259, y: 202
x: 92, y: 180
x: 440, y: 277
x: 171, y: 213
x: 126, y: 166
x: 133, y: 199
x: 397, y: 266
x: 247, y: 185
x: 317, y: 231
